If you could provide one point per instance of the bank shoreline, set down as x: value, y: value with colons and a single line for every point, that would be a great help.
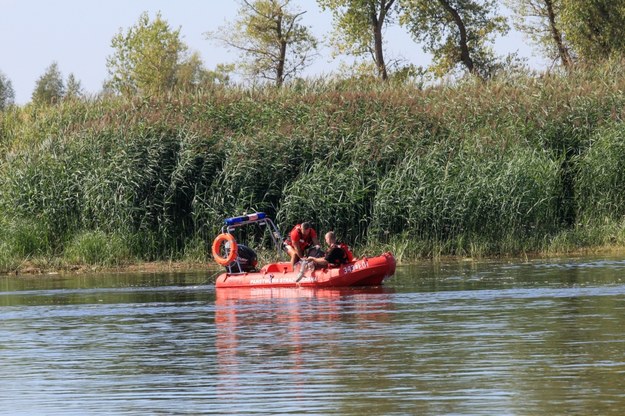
x: 33, y: 269
x: 29, y: 269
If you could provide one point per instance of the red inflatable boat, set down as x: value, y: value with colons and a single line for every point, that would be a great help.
x: 241, y: 270
x: 368, y: 271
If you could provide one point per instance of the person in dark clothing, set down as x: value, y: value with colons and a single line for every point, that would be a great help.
x: 335, y: 255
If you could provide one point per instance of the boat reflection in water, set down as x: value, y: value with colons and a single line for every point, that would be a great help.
x: 296, y: 336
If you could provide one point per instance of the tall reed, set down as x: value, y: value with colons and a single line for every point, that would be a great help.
x: 508, y: 166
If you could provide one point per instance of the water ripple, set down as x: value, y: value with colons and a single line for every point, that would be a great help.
x: 487, y: 339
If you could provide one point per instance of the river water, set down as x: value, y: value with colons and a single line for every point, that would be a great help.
x: 542, y: 337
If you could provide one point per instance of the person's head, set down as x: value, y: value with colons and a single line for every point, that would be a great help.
x: 306, y: 228
x: 330, y: 238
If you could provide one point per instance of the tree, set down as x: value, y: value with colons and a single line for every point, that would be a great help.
x: 456, y: 32
x: 595, y: 29
x: 359, y: 26
x: 221, y: 74
x: 274, y: 44
x: 7, y: 93
x: 49, y: 88
x: 191, y: 74
x: 146, y: 57
x: 540, y: 20
x: 73, y: 89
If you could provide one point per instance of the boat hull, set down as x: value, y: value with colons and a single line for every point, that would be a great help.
x: 367, y: 271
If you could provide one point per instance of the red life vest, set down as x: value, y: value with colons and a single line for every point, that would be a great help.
x: 348, y: 252
x: 300, y: 240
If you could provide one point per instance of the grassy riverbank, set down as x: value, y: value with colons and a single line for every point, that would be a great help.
x: 513, y: 166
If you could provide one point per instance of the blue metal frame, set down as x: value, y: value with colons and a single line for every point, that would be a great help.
x: 260, y: 219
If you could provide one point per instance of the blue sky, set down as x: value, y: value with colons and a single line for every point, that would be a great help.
x: 77, y: 35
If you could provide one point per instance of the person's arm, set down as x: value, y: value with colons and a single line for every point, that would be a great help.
x: 318, y: 261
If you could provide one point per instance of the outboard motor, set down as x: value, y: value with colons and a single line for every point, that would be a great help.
x: 246, y: 258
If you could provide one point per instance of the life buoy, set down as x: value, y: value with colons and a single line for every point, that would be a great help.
x: 222, y: 238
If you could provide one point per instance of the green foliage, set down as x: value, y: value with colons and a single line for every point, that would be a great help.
x: 456, y: 32
x: 600, y: 183
x: 507, y: 166
x: 359, y: 26
x: 541, y: 22
x: 44, y: 187
x: 22, y: 240
x: 197, y: 251
x: 97, y: 248
x: 146, y: 57
x: 467, y: 195
x: 74, y: 89
x: 274, y: 45
x: 49, y: 88
x: 352, y: 19
x: 333, y: 197
x: 25, y: 238
x: 596, y: 29
x: 192, y: 76
x: 7, y: 93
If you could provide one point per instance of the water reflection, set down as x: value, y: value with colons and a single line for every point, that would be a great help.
x: 281, y: 343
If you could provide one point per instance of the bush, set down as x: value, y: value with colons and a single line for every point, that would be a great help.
x: 600, y: 182
x: 97, y: 248
x: 468, y: 198
x: 332, y: 198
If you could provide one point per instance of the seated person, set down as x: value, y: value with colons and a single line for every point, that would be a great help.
x: 335, y: 256
x: 301, y: 237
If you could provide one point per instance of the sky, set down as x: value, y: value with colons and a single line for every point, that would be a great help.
x: 77, y: 35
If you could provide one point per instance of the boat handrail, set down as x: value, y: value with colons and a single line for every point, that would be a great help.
x: 259, y: 218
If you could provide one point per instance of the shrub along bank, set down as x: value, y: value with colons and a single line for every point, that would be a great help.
x: 526, y: 164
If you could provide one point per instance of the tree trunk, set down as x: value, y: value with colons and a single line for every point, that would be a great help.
x: 377, y: 22
x: 282, y: 53
x: 379, y: 53
x: 465, y: 56
x: 280, y: 68
x: 563, y: 51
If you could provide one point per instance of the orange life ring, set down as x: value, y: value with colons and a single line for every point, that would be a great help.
x: 221, y: 238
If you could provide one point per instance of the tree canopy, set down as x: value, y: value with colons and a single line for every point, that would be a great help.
x: 192, y: 75
x: 50, y: 87
x: 150, y: 58
x: 273, y: 43
x: 596, y: 29
x: 146, y: 57
x: 7, y: 93
x: 73, y: 88
x: 456, y: 32
x: 359, y: 28
x: 541, y: 22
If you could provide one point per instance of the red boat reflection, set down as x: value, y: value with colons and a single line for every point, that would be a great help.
x: 285, y: 327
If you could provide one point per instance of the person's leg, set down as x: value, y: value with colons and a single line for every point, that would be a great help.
x: 294, y: 256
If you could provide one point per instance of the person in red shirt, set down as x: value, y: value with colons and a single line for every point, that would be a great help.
x: 301, y: 237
